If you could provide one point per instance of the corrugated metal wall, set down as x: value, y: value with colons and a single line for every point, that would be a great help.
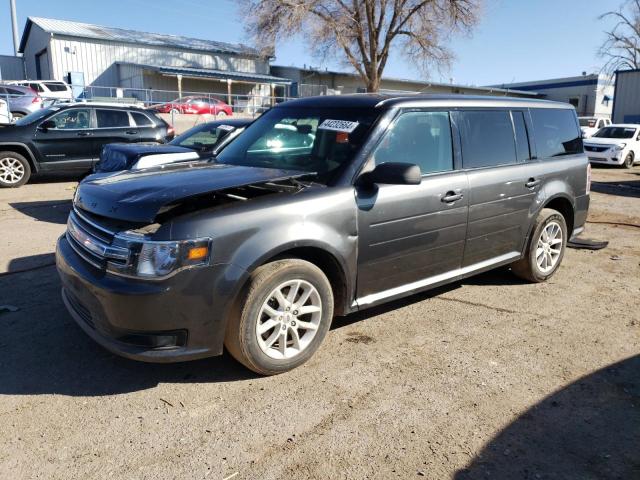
x: 96, y: 59
x: 11, y: 68
x: 626, y: 108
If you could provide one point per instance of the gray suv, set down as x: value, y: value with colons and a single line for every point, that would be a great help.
x: 322, y: 207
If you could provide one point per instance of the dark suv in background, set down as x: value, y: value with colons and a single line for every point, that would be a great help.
x: 321, y: 207
x: 69, y: 137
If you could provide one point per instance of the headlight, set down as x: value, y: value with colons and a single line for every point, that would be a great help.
x: 619, y: 147
x: 157, y: 260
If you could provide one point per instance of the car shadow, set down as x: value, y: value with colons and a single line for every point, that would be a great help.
x: 586, y: 430
x: 42, y: 351
x: 50, y: 211
x: 30, y: 263
x: 630, y: 188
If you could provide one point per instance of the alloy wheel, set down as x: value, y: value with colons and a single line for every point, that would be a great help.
x: 11, y: 170
x: 549, y: 247
x: 289, y: 319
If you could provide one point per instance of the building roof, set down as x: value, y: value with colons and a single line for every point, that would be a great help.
x: 217, y: 74
x: 110, y: 34
x: 564, y: 82
x: 427, y: 84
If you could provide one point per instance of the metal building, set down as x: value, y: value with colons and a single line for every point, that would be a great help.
x: 98, y: 56
x: 11, y: 68
x: 589, y: 94
x: 626, y: 104
x: 311, y: 81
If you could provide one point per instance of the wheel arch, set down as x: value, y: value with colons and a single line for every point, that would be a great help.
x: 23, y: 150
x: 323, y: 257
x: 564, y: 206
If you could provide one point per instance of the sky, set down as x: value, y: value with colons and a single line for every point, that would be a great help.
x: 516, y: 40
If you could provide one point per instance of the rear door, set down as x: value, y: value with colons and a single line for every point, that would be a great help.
x: 502, y: 185
x: 146, y: 129
x: 113, y: 126
x: 69, y: 145
x: 409, y: 235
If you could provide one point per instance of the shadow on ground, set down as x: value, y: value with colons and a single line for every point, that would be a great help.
x: 630, y: 188
x: 50, y: 211
x: 42, y: 351
x: 589, y: 429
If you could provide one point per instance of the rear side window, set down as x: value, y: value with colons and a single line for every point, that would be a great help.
x: 56, y: 87
x: 421, y: 138
x: 141, y: 119
x: 487, y: 138
x: 112, y: 118
x: 556, y: 132
x: 13, y: 91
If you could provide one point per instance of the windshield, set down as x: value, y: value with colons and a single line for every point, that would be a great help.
x: 314, y: 140
x: 35, y: 116
x: 587, y: 122
x: 615, y: 132
x: 203, y: 137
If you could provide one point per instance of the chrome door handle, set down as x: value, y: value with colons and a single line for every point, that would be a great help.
x: 532, y: 182
x: 84, y: 134
x: 451, y: 197
x: 131, y: 132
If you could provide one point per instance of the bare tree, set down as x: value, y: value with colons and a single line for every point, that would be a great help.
x: 621, y: 48
x: 365, y: 32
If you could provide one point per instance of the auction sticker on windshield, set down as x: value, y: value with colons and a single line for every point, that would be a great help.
x: 338, y: 125
x: 227, y: 128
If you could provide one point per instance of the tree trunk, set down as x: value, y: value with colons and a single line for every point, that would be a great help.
x: 373, y: 82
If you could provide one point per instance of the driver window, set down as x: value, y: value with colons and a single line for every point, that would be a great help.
x: 73, y: 119
x: 421, y: 138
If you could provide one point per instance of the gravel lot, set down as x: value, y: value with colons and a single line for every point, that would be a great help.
x: 487, y: 378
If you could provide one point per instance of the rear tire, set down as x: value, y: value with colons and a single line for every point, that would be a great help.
x: 283, y: 314
x: 17, y: 115
x: 628, y: 162
x: 15, y: 170
x: 545, y: 248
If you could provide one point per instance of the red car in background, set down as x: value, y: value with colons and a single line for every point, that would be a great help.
x: 195, y: 105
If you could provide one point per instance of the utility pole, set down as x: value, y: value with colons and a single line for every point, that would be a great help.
x: 14, y: 26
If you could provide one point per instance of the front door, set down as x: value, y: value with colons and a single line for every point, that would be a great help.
x: 68, y: 145
x: 412, y: 235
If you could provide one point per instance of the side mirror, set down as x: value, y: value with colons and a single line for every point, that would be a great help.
x: 393, y: 173
x: 46, y: 125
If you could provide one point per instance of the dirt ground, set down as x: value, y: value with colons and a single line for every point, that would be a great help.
x: 486, y: 378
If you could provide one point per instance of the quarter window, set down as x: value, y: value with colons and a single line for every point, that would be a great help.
x: 112, y: 118
x: 72, y: 119
x: 141, y: 119
x: 421, y: 138
x: 556, y: 132
x: 487, y: 138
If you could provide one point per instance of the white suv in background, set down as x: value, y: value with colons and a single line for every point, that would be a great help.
x: 5, y: 114
x: 590, y: 125
x: 617, y: 144
x: 50, y: 89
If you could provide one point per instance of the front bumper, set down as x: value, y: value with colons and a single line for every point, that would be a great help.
x: 135, y: 318
x: 610, y: 157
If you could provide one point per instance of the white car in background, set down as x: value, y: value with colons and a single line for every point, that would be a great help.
x: 590, y: 125
x: 49, y: 89
x: 5, y: 114
x: 617, y: 144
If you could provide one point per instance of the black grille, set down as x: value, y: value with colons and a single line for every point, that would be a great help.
x: 595, y: 149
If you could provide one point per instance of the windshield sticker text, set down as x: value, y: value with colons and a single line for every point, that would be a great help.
x: 338, y: 126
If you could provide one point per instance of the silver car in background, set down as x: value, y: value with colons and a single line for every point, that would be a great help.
x: 21, y: 100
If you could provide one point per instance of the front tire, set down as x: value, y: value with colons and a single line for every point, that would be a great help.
x: 15, y: 170
x: 628, y: 161
x: 545, y: 249
x: 283, y: 315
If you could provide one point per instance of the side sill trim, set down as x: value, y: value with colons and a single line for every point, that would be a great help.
x: 443, y: 277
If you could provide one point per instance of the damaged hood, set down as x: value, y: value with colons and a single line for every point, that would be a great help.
x: 140, y: 195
